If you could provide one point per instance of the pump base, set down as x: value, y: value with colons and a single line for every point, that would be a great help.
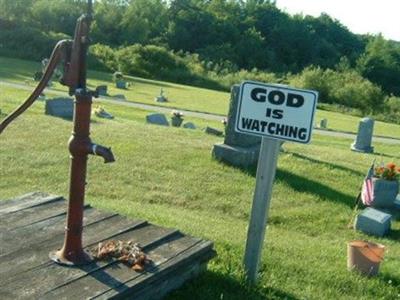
x: 76, y: 259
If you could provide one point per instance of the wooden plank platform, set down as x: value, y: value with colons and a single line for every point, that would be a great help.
x: 33, y: 225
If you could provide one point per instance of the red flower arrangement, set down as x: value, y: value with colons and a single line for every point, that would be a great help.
x: 388, y: 172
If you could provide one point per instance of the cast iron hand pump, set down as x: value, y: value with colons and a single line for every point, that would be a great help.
x: 73, y: 53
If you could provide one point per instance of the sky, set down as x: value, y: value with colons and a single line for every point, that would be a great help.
x: 359, y: 16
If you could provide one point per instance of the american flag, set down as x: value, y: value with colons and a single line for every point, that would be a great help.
x: 367, y: 193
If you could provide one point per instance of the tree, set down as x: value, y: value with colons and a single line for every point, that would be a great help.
x: 15, y: 10
x: 57, y: 15
x: 381, y: 64
x: 144, y: 21
x: 106, y: 27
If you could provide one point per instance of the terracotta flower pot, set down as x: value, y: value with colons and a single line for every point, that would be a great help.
x: 385, y: 192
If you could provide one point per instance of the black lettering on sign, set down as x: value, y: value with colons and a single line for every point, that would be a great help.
x: 259, y: 94
x: 280, y: 128
x: 246, y: 123
x: 303, y: 133
x: 263, y: 125
x: 276, y: 97
x: 256, y: 125
x: 274, y: 113
x: 271, y: 128
x: 278, y: 114
x: 295, y: 100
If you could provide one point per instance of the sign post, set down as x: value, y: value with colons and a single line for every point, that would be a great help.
x: 266, y: 168
x: 276, y: 113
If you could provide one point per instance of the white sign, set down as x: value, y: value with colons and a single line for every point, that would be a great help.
x: 276, y: 111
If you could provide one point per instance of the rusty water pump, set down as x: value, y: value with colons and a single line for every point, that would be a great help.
x: 73, y: 53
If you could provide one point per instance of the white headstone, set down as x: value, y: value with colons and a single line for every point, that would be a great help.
x: 364, y: 136
x: 323, y: 123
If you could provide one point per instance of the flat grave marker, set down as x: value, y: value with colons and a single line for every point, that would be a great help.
x: 157, y: 119
x: 60, y: 107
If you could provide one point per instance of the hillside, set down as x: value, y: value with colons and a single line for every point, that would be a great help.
x: 181, y: 96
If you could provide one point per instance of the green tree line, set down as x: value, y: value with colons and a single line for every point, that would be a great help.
x: 212, y: 43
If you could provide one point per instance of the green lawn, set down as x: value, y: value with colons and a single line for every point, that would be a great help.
x: 180, y: 96
x: 167, y: 176
x: 347, y: 123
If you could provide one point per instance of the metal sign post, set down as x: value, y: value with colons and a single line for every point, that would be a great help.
x: 276, y: 113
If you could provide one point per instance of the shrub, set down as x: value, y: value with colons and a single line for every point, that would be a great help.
x: 21, y: 41
x: 391, y: 110
x: 345, y: 87
x: 102, y: 58
x: 159, y: 63
x: 229, y: 79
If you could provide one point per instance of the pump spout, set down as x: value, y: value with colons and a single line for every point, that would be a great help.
x: 104, y: 152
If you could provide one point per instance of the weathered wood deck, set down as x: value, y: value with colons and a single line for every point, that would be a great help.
x: 33, y: 225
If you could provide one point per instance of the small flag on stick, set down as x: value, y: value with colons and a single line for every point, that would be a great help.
x: 367, y: 193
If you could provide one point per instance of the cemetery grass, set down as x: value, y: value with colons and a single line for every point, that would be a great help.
x: 166, y: 176
x: 180, y: 96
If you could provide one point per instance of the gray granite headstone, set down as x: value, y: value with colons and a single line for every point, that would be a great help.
x: 103, y: 114
x: 121, y: 84
x: 213, y: 131
x: 364, y: 136
x: 120, y: 97
x: 60, y: 107
x: 373, y: 221
x: 102, y: 90
x: 323, y: 124
x: 240, y: 150
x: 161, y: 97
x: 397, y: 202
x: 189, y: 125
x: 157, y: 119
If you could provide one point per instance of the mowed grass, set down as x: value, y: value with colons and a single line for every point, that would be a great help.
x: 180, y: 96
x: 167, y: 176
x: 140, y: 90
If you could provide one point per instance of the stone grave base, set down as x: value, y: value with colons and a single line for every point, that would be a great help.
x: 237, y: 156
x: 363, y: 150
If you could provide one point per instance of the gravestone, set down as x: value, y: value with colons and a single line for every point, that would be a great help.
x: 120, y: 97
x: 42, y: 97
x: 364, y: 136
x: 323, y: 123
x: 121, y: 84
x: 157, y: 119
x: 161, y: 97
x: 397, y: 202
x: 213, y: 131
x: 189, y: 125
x: 239, y: 150
x: 102, y: 113
x: 102, y: 90
x: 60, y: 107
x: 373, y: 221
